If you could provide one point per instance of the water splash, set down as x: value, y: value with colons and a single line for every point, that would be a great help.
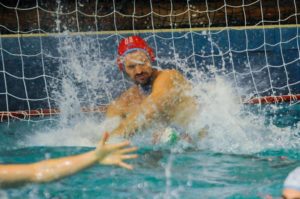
x: 232, y: 128
x: 87, y: 81
x: 87, y: 132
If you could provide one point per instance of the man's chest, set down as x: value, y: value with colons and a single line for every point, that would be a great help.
x: 133, y: 100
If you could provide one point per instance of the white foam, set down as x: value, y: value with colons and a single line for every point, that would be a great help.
x: 87, y: 132
x: 230, y: 128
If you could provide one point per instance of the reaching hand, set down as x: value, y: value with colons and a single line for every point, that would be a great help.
x: 114, y: 154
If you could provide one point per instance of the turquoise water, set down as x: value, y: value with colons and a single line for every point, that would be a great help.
x: 160, y: 171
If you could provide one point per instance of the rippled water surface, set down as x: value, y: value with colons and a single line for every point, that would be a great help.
x: 161, y: 171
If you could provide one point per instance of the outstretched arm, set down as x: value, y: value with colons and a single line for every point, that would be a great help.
x: 54, y: 169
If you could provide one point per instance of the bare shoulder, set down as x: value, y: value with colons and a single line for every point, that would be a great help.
x: 129, y: 95
x: 122, y: 98
x: 170, y: 72
x: 168, y: 80
x: 118, y: 106
x: 131, y: 91
x: 171, y: 75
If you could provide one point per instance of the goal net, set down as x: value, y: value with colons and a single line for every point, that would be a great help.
x: 60, y: 55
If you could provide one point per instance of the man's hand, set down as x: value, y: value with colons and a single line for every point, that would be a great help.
x: 114, y: 154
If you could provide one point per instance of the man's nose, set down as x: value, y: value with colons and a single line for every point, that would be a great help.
x: 139, y: 69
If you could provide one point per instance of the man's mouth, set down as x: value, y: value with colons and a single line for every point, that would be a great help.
x: 141, y: 77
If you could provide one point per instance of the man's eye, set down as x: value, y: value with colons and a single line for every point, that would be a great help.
x: 131, y: 66
x: 147, y: 61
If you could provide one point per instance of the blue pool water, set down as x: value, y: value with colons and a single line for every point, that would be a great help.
x: 161, y: 171
x: 248, y: 152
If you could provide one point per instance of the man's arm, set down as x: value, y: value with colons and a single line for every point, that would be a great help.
x: 118, y: 108
x: 46, y: 170
x: 54, y: 169
x: 115, y: 109
x: 165, y: 94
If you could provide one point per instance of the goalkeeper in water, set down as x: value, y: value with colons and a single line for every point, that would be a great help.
x: 157, y: 96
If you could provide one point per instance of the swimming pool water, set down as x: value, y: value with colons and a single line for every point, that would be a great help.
x: 160, y: 172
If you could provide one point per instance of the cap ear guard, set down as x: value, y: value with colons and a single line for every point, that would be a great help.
x: 151, y: 54
x: 120, y: 63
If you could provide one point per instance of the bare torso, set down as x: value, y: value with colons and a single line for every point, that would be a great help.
x: 178, y: 113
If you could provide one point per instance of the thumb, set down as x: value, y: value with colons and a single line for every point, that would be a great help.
x: 104, y: 139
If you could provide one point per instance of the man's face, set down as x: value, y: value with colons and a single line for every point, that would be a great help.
x: 138, y: 67
x: 290, y: 194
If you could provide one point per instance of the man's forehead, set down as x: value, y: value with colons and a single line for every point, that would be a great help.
x: 138, y: 54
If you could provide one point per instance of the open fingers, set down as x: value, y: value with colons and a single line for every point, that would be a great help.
x: 119, y: 145
x: 129, y: 156
x: 125, y: 165
x: 128, y: 150
x: 104, y: 138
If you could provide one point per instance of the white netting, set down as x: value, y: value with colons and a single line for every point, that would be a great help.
x: 60, y: 56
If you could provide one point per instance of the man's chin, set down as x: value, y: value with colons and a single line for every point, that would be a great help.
x: 144, y: 82
x: 140, y: 83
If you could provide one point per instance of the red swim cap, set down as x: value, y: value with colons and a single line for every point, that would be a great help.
x: 130, y: 44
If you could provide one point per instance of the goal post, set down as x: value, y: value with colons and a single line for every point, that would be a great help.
x: 60, y: 54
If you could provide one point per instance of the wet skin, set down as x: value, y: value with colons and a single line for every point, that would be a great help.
x: 290, y: 194
x: 168, y: 101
